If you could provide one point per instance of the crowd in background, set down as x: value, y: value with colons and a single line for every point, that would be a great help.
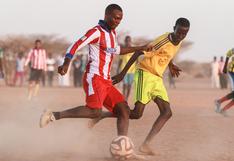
x: 219, y: 79
x: 14, y: 73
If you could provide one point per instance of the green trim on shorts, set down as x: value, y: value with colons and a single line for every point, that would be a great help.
x: 148, y: 86
x: 140, y: 84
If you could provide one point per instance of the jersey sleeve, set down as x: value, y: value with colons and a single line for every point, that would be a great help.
x: 90, y: 37
x: 230, y: 53
x: 156, y: 44
x: 28, y: 57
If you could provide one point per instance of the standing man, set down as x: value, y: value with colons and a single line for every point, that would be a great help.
x: 215, y: 73
x: 37, y: 59
x: 19, y: 71
x: 128, y: 78
x: 102, y: 42
x: 1, y: 64
x: 50, y: 69
x: 148, y: 80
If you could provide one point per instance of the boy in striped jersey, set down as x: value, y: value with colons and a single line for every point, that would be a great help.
x: 148, y: 79
x: 37, y: 59
x: 102, y: 41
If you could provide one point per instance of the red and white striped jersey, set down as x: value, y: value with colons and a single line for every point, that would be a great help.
x: 102, y: 46
x: 37, y: 57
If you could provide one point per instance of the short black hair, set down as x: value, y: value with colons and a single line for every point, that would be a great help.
x: 112, y: 7
x: 127, y: 37
x: 38, y: 40
x: 182, y: 22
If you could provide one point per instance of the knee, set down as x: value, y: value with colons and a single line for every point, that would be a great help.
x: 122, y: 111
x: 135, y: 115
x: 96, y: 113
x: 167, y: 113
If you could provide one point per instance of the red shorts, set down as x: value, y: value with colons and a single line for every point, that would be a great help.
x: 100, y: 92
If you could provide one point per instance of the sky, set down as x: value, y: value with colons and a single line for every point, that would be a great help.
x: 212, y: 22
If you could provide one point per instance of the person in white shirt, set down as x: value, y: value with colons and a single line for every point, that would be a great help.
x: 50, y: 61
x: 215, y: 73
x: 19, y: 73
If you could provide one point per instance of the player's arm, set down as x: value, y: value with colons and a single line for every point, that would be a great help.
x: 119, y: 64
x: 225, y: 65
x: 174, y: 69
x: 117, y: 78
x: 28, y: 57
x: 126, y: 50
x: 92, y: 36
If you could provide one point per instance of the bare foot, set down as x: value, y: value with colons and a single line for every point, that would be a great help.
x: 93, y: 122
x: 146, y: 150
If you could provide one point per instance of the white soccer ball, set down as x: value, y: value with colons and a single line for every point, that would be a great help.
x: 122, y: 148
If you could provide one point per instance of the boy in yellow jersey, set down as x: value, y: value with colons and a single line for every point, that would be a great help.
x: 128, y: 78
x: 148, y: 78
x: 230, y: 95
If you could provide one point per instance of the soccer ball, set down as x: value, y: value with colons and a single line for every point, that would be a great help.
x: 121, y: 148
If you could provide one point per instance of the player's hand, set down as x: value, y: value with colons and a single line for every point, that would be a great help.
x: 117, y: 78
x: 175, y: 70
x: 148, y: 47
x: 62, y: 70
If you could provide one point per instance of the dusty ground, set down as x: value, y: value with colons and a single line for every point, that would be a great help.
x: 195, y: 132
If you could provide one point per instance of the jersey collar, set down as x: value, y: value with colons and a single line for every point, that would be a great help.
x: 104, y: 25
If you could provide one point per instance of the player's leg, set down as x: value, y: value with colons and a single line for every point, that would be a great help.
x: 138, y: 110
x: 104, y: 114
x: 218, y: 102
x: 30, y: 89
x: 31, y: 83
x: 36, y: 89
x: 95, y: 94
x: 153, y: 88
x: 136, y: 113
x: 115, y: 103
x: 77, y: 112
x: 226, y: 107
x: 39, y: 74
x: 165, y: 115
x: 121, y: 111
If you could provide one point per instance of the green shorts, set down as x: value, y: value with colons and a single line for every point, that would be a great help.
x: 148, y: 86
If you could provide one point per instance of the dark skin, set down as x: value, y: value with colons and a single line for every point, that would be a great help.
x: 164, y: 107
x: 225, y: 65
x: 121, y: 110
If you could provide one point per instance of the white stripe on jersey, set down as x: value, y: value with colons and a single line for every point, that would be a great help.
x: 108, y: 56
x: 37, y: 57
x: 90, y: 84
x: 85, y: 41
x: 99, y: 57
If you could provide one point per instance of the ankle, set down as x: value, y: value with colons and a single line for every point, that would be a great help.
x: 56, y: 115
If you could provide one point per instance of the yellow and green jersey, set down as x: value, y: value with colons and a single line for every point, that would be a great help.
x: 230, y: 53
x: 125, y: 58
x: 157, y: 60
x: 231, y: 66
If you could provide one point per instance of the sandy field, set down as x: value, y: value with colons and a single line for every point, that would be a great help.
x: 194, y: 133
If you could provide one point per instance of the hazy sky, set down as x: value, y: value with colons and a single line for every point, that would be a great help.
x: 212, y: 21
